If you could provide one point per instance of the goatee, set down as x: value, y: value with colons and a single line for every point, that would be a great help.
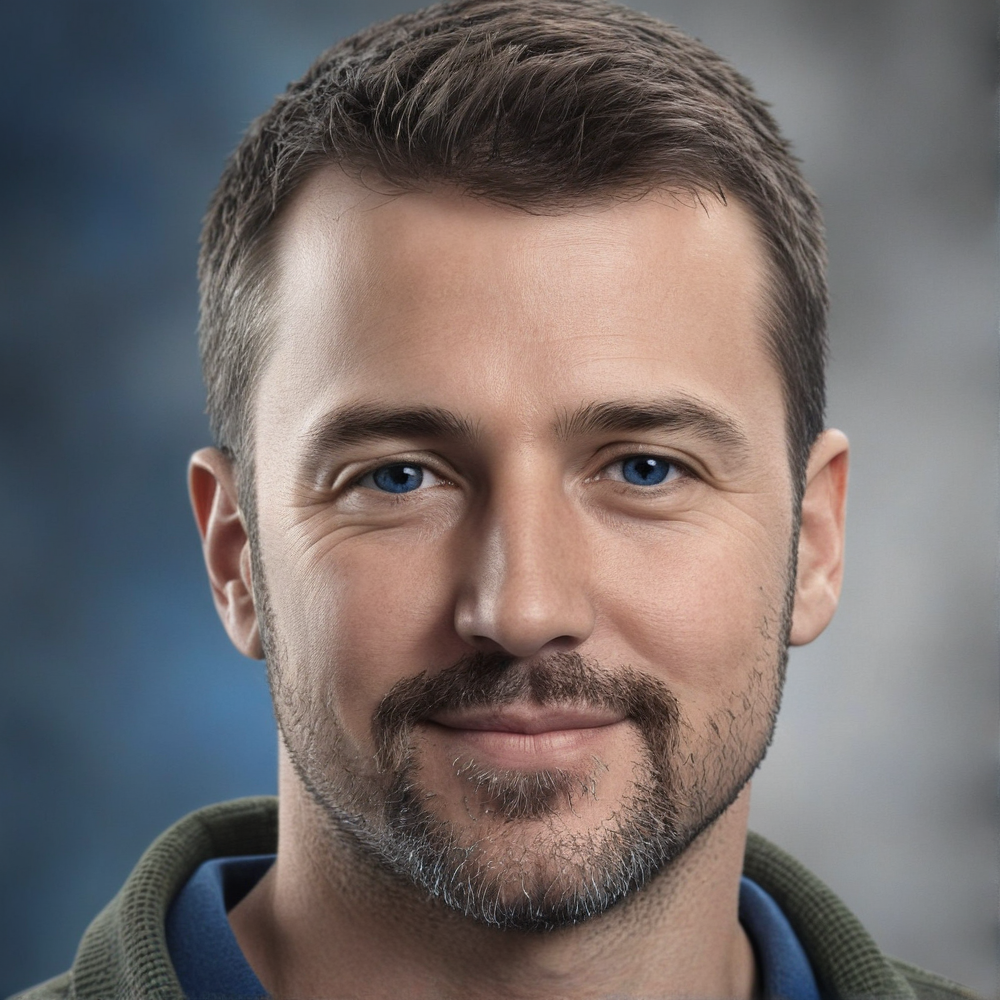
x: 495, y: 874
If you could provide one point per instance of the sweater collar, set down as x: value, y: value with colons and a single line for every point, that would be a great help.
x: 124, y: 951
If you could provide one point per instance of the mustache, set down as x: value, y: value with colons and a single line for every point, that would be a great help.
x: 493, y: 680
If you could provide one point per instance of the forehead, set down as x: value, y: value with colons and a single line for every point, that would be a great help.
x: 436, y: 298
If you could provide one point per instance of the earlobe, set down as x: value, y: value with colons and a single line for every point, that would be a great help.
x: 225, y: 546
x: 821, y: 538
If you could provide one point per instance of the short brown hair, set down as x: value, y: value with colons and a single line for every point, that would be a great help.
x: 533, y: 103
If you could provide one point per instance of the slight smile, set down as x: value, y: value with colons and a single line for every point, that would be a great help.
x: 526, y: 736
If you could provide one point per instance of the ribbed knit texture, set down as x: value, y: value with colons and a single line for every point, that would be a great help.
x: 847, y: 962
x: 123, y: 954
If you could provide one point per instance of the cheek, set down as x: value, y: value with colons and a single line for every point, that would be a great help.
x: 700, y: 610
x: 357, y: 615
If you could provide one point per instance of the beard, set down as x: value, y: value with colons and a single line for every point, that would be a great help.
x: 511, y: 878
x: 518, y: 863
x: 525, y: 868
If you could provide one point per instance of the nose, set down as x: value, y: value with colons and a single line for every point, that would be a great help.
x: 524, y: 590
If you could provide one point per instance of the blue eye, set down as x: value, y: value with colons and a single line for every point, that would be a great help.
x: 399, y: 478
x: 646, y: 470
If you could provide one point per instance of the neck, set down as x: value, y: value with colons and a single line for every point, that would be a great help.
x: 322, y: 923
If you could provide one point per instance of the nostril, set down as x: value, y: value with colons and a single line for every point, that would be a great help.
x: 524, y: 645
x: 563, y: 643
x: 523, y: 607
x: 485, y: 644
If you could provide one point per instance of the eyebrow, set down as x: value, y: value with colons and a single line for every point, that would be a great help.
x: 684, y: 413
x: 371, y: 421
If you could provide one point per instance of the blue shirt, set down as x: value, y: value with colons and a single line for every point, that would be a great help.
x: 210, y: 965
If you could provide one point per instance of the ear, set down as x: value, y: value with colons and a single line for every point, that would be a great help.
x: 226, y: 547
x: 821, y: 538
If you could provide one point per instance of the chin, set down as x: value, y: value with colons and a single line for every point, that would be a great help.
x: 538, y: 853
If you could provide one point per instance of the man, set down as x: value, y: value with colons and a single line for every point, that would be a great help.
x: 513, y: 331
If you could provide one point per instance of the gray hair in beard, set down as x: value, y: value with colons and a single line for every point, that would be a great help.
x: 654, y: 825
x: 596, y: 870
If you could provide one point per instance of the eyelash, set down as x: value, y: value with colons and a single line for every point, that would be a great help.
x: 401, y: 463
x: 679, y: 469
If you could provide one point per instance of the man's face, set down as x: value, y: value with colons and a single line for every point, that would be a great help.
x: 524, y: 524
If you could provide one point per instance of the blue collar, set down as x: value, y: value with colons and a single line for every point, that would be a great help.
x: 202, y: 946
x: 782, y: 964
x: 210, y: 965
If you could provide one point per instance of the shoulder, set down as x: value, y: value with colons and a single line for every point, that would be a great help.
x: 52, y: 989
x: 928, y: 986
x: 845, y: 958
x: 124, y: 951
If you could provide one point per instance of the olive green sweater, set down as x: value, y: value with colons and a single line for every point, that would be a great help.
x: 123, y: 954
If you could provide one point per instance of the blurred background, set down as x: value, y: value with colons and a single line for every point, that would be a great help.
x: 124, y: 706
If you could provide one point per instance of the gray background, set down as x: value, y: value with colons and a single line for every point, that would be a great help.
x: 124, y: 707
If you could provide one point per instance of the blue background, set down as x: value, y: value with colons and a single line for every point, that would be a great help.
x: 123, y: 705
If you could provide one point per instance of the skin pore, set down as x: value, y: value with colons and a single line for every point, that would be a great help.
x: 514, y: 446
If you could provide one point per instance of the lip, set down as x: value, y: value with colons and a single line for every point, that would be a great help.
x: 527, y: 720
